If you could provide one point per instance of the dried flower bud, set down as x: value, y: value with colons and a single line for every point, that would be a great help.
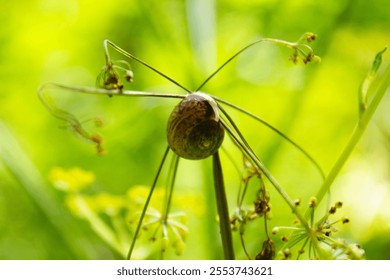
x: 287, y: 253
x: 311, y: 37
x: 313, y: 202
x: 268, y: 251
x: 345, y: 220
x: 129, y: 76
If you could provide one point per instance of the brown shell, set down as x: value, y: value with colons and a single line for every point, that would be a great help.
x: 194, y: 129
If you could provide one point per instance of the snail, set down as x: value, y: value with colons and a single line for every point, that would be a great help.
x: 194, y: 128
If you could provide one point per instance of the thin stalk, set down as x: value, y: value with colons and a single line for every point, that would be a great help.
x: 357, y: 134
x: 244, y: 247
x: 147, y: 204
x: 292, y: 45
x: 129, y: 55
x: 167, y: 206
x: 101, y: 91
x: 277, y: 131
x: 223, y: 210
x: 242, y: 143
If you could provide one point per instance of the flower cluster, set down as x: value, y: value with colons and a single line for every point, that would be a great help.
x: 319, y: 242
x: 114, y: 217
x: 109, y: 77
x: 302, y: 51
x: 261, y: 207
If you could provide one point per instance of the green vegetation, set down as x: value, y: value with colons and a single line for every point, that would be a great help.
x: 63, y: 197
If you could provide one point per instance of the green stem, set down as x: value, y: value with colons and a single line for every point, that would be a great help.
x: 147, y: 204
x: 277, y: 131
x: 129, y: 55
x: 240, y: 140
x: 357, y: 134
x: 99, y: 91
x: 223, y: 210
x: 174, y: 166
x: 291, y: 45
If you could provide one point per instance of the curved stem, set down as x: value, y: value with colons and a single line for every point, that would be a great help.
x: 277, y: 131
x: 291, y: 45
x: 129, y: 55
x: 243, y: 144
x: 357, y: 134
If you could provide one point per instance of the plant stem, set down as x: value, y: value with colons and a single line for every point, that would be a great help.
x: 169, y: 194
x: 147, y: 204
x: 291, y: 45
x: 100, y: 91
x: 358, y: 132
x: 129, y: 55
x: 277, y: 131
x: 223, y: 210
x: 241, y: 142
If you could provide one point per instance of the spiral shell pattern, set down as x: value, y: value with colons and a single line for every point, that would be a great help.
x: 194, y: 128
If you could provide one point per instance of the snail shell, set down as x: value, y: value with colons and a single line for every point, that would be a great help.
x: 194, y: 128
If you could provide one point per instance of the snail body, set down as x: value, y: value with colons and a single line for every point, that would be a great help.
x: 194, y: 128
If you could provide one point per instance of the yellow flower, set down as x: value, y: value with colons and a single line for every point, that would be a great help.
x: 71, y: 180
x: 106, y: 203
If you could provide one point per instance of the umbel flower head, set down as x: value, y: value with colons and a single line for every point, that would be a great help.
x: 320, y: 242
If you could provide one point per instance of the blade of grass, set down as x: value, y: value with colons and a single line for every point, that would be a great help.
x: 29, y: 177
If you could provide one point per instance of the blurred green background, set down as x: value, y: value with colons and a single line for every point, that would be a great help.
x: 316, y: 105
